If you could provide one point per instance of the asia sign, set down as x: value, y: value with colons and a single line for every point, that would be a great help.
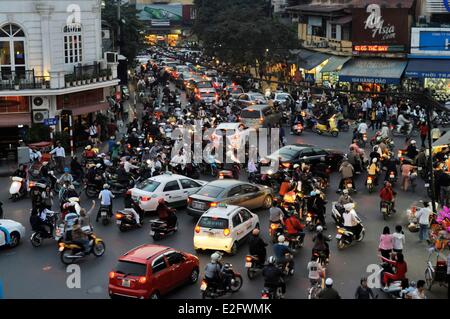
x: 377, y: 27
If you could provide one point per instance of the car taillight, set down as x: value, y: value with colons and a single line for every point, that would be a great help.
x: 197, y: 229
x: 142, y: 280
x: 189, y: 200
x: 145, y: 198
x: 248, y: 258
x: 112, y: 275
x: 119, y: 216
x: 213, y: 204
x: 226, y: 231
x: 264, y: 296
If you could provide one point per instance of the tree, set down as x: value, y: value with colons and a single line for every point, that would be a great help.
x: 241, y: 32
x: 131, y: 41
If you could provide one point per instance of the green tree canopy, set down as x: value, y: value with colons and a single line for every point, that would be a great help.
x: 242, y: 32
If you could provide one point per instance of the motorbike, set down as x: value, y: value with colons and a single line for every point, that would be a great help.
x: 213, y: 291
x: 160, y: 229
x: 370, y: 184
x: 348, y: 185
x: 295, y: 242
x: 385, y: 209
x: 345, y: 237
x: 17, y: 190
x: 286, y: 268
x: 271, y: 293
x: 392, y: 178
x: 39, y: 235
x: 275, y: 230
x: 125, y: 219
x: 311, y: 221
x: 104, y: 215
x: 71, y: 252
x: 297, y: 128
x: 253, y: 265
x: 331, y: 129
x: 406, y: 130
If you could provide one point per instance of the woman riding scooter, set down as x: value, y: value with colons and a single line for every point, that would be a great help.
x: 166, y: 213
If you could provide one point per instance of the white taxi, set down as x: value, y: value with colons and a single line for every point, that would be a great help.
x: 224, y: 228
x: 10, y: 232
x: 174, y: 188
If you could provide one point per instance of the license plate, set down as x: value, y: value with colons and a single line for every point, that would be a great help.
x: 308, y: 219
x: 118, y: 222
x: 265, y: 297
x: 419, y: 168
x: 197, y: 205
x: 126, y: 283
x: 103, y: 214
x: 248, y: 265
x: 369, y: 181
x: 427, y: 185
x: 338, y: 236
x: 203, y: 286
x: 152, y: 233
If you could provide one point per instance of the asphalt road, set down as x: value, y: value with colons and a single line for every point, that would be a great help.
x: 29, y: 272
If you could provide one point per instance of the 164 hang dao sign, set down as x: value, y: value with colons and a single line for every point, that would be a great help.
x: 376, y: 26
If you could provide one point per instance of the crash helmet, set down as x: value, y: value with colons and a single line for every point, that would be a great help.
x: 374, y: 160
x: 319, y: 229
x: 313, y: 193
x: 216, y: 257
x: 134, y: 129
x: 329, y: 282
x: 272, y: 260
x: 281, y: 239
x: 161, y: 201
x: 345, y: 192
x: 105, y: 186
x: 88, y: 147
x: 71, y: 187
x: 98, y: 165
x: 66, y: 170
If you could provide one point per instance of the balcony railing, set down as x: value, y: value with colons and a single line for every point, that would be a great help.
x: 326, y: 44
x: 86, y: 74
x: 23, y: 80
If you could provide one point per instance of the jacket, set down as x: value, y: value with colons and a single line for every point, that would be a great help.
x: 293, y: 225
x: 329, y: 293
x: 257, y: 246
x: 346, y: 170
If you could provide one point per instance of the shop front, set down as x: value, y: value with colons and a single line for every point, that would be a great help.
x: 310, y: 65
x: 330, y: 72
x: 373, y: 75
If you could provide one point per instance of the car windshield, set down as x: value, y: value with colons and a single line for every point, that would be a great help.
x: 204, y: 84
x: 282, y: 96
x: 148, y: 185
x: 210, y: 191
x: 250, y: 114
x: 213, y: 222
x: 130, y: 268
x: 257, y: 97
x: 286, y: 152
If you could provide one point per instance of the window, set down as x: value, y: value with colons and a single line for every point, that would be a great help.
x: 130, y: 268
x: 213, y: 222
x: 234, y: 191
x: 73, y: 47
x: 172, y: 186
x: 320, y: 151
x: 148, y: 185
x: 210, y: 191
x: 158, y: 265
x: 333, y: 31
x: 245, y: 215
x: 236, y: 220
x: 174, y: 258
x: 188, y: 183
x: 12, y: 51
x: 307, y: 152
x: 250, y: 189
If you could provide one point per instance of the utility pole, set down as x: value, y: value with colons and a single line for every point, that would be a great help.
x: 428, y: 109
x: 119, y: 18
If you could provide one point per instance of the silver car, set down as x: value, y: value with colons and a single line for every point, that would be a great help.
x: 232, y: 192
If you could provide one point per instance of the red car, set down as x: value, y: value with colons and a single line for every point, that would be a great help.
x: 150, y: 271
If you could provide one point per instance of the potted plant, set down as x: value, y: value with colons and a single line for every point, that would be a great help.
x: 87, y: 77
x: 44, y: 84
x: 109, y: 73
x: 94, y: 78
x: 104, y: 73
x: 17, y: 83
x: 78, y: 80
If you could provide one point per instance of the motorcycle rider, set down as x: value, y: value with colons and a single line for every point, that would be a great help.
x: 133, y: 207
x: 76, y: 169
x: 347, y: 170
x: 294, y: 227
x: 317, y: 205
x: 281, y: 249
x: 257, y: 246
x: 273, y: 276
x: 351, y: 222
x: 403, y: 122
x: 411, y: 150
x: 22, y: 173
x: 329, y: 292
x: 66, y: 178
x: 387, y: 194
x: 372, y: 171
x: 276, y: 214
x: 106, y: 200
x: 80, y: 237
x: 345, y: 198
x: 213, y: 270
x: 315, y: 270
x: 355, y: 160
x: 320, y: 244
x: 166, y: 214
x: 384, y: 133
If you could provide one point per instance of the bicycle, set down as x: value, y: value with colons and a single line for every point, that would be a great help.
x: 435, y: 273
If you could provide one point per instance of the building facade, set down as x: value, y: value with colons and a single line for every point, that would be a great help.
x: 51, y: 62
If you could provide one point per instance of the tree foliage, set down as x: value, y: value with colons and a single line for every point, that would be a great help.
x: 131, y: 41
x: 242, y: 32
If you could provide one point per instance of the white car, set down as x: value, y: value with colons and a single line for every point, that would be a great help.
x: 224, y: 228
x: 282, y: 98
x: 16, y: 231
x: 174, y: 188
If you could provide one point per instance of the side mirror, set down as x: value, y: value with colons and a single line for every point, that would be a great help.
x: 322, y: 159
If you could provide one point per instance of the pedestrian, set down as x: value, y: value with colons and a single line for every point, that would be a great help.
x: 386, y: 243
x: 329, y: 292
x: 406, y: 169
x: 423, y: 129
x: 373, y: 118
x: 448, y: 276
x: 398, y: 239
x: 423, y: 216
x: 60, y: 155
x: 363, y: 291
x: 93, y: 133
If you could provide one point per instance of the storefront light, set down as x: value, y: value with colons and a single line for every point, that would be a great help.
x: 20, y: 126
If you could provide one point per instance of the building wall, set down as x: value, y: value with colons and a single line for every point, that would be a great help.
x: 162, y: 1
x: 43, y: 23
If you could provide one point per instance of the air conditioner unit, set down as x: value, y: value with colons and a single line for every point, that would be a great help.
x: 111, y: 57
x: 40, y: 115
x: 40, y: 102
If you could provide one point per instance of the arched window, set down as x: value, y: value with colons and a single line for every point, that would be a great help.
x: 12, y: 51
x: 73, y: 47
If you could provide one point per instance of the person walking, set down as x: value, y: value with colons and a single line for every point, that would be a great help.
x: 423, y: 216
x: 60, y: 156
x: 423, y: 129
x: 386, y: 243
x: 398, y: 239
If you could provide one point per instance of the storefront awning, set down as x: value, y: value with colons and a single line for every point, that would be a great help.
x: 443, y: 140
x: 308, y: 60
x: 90, y: 108
x: 334, y: 63
x: 379, y: 71
x: 14, y: 119
x: 428, y: 68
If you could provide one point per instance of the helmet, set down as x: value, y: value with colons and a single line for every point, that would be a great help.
x: 281, y: 239
x: 105, y: 186
x: 98, y: 165
x: 296, y: 165
x: 226, y: 266
x: 71, y: 187
x: 313, y: 193
x: 374, y: 160
x: 349, y: 206
x: 88, y: 147
x: 215, y: 257
x: 413, y: 142
x: 388, y: 184
x: 271, y: 260
x: 329, y: 282
x: 319, y: 229
x: 378, y: 138
x: 345, y: 192
x: 66, y: 170
x: 112, y: 137
x: 384, y: 124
